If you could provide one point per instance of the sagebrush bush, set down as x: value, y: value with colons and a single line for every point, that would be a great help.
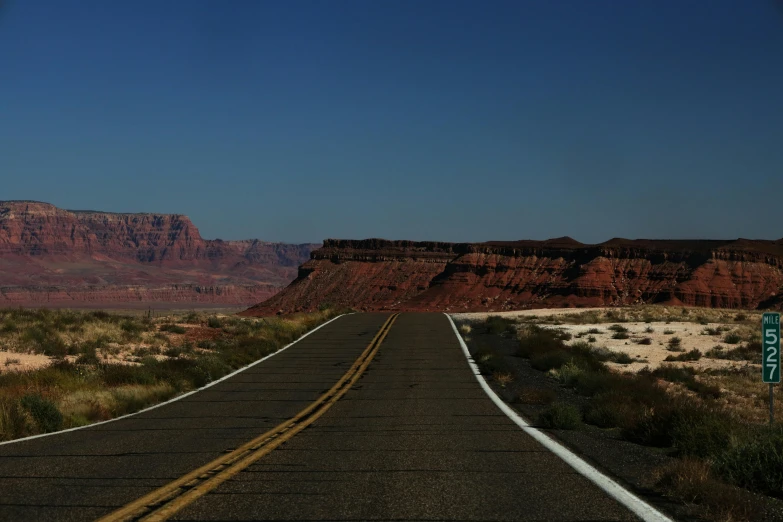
x: 704, y: 432
x: 173, y: 328
x: 214, y: 322
x: 750, y: 352
x: 569, y: 373
x: 560, y: 416
x: 498, y: 325
x: 43, y: 411
x: 693, y: 355
x: 755, y: 461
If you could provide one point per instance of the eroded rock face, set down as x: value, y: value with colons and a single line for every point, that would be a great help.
x: 51, y: 256
x: 402, y: 275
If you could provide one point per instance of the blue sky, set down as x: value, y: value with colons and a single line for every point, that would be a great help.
x: 456, y: 121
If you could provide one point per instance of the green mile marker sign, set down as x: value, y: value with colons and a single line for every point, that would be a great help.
x: 770, y: 333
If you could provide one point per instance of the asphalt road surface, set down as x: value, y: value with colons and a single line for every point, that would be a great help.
x: 416, y: 438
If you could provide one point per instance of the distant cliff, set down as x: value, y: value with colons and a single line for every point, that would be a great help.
x: 376, y: 274
x: 61, y: 257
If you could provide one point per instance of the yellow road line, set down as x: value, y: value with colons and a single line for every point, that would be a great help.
x: 167, y: 500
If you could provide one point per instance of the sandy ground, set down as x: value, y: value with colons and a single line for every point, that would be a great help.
x: 22, y: 361
x: 653, y: 354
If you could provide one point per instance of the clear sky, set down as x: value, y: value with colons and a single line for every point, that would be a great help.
x: 442, y: 120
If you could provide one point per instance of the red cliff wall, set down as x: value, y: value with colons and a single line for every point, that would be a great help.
x: 377, y: 274
x: 51, y: 256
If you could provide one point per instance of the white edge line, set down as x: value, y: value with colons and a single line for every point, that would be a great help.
x: 639, y: 507
x: 178, y: 397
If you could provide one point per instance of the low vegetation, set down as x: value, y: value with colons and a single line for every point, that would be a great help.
x: 104, y: 365
x: 750, y: 352
x: 713, y: 420
x: 560, y: 416
x: 693, y: 355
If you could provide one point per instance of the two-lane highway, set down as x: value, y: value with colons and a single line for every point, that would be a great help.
x: 415, y: 437
x: 88, y: 473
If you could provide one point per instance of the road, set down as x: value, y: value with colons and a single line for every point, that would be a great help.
x: 412, y: 437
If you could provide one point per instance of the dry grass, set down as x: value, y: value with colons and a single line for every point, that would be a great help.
x: 84, y: 407
x: 692, y: 481
x: 503, y: 378
x: 96, y: 365
x: 536, y: 395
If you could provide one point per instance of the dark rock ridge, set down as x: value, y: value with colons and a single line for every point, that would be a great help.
x: 375, y: 274
x: 51, y: 256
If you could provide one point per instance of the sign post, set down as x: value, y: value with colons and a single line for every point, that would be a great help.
x: 770, y: 354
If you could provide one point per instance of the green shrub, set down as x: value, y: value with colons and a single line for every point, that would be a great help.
x: 716, y: 352
x: 755, y: 462
x: 489, y: 362
x: 498, y: 325
x: 609, y: 409
x: 173, y: 328
x: 214, y: 322
x: 595, y: 382
x: 684, y: 375
x: 43, y: 411
x: 14, y: 422
x: 594, y: 331
x: 535, y: 340
x: 703, y: 432
x: 591, y: 339
x: 550, y: 360
x: 620, y: 335
x: 674, y: 343
x: 131, y: 328
x: 649, y: 426
x: 748, y: 352
x: 569, y: 373
x: 8, y: 326
x: 46, y: 341
x: 88, y: 356
x: 561, y: 416
x: 693, y: 355
x: 644, y: 341
x: 100, y: 315
x: 668, y: 332
x: 119, y: 374
x: 617, y: 328
x: 622, y: 358
x: 732, y: 338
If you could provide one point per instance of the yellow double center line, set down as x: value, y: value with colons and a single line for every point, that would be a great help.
x: 167, y: 500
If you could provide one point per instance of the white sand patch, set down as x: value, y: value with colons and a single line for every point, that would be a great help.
x: 690, y: 335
